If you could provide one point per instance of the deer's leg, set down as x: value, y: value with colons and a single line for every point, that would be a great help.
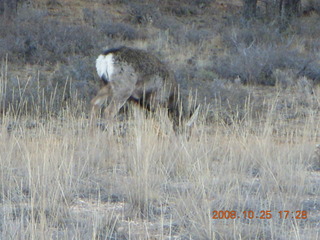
x: 171, y: 103
x: 103, y: 95
x: 114, y: 99
x: 113, y: 108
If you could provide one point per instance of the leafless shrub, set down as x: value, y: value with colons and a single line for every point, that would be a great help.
x: 256, y: 64
x: 29, y: 95
x: 88, y: 16
x: 36, y: 92
x: 227, y: 100
x: 203, y: 3
x: 30, y: 39
x: 69, y: 40
x: 311, y: 6
x: 119, y: 30
x: 40, y: 47
x: 187, y: 7
x: 116, y: 2
x: 173, y: 28
x: 254, y: 34
x: 307, y: 27
x: 180, y: 10
x: 258, y: 49
x: 290, y: 79
x: 305, y: 86
x: 312, y: 45
x: 53, y: 3
x: 284, y: 78
x: 312, y: 71
x: 232, y: 101
x: 144, y: 13
x: 73, y: 83
x: 198, y: 36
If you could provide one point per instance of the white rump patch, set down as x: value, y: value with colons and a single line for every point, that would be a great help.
x: 104, y: 65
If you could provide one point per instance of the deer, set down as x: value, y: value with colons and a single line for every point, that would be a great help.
x: 129, y: 74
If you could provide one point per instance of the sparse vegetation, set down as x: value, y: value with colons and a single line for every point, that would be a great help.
x: 254, y: 147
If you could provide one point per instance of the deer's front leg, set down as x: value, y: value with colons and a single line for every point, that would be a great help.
x: 115, y: 96
x: 117, y: 102
x: 103, y: 96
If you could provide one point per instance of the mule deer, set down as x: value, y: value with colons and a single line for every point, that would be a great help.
x: 129, y: 74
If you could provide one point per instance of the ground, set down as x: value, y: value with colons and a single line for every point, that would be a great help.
x: 253, y: 153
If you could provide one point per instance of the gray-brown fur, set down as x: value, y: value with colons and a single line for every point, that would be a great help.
x: 141, y: 77
x: 143, y: 62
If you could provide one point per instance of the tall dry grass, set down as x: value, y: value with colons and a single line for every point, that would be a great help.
x: 137, y: 179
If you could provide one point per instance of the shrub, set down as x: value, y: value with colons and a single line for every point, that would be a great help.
x: 257, y: 49
x: 88, y: 16
x: 198, y: 36
x: 312, y: 71
x: 227, y: 100
x: 252, y: 34
x: 255, y: 65
x: 181, y: 10
x: 119, y: 30
x: 143, y: 13
x: 311, y: 6
x: 80, y: 73
x: 26, y: 95
x: 34, y: 39
x: 35, y: 91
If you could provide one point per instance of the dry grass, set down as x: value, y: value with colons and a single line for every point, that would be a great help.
x: 137, y: 179
x: 254, y: 148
